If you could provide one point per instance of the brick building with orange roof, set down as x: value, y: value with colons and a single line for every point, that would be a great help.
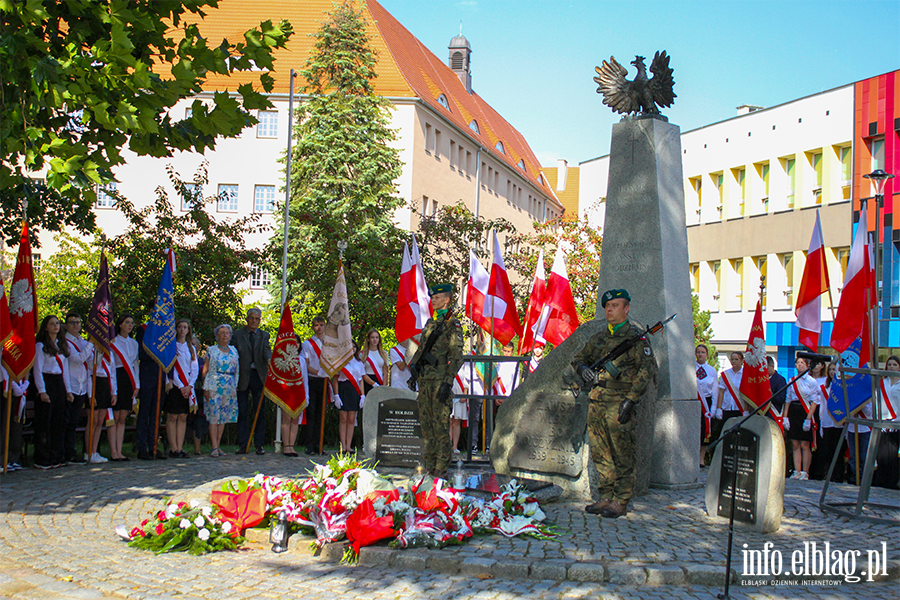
x: 453, y: 144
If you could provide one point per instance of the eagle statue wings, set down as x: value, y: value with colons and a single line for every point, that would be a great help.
x: 641, y: 95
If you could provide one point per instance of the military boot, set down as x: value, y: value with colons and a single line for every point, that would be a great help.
x: 615, y: 510
x: 597, y: 507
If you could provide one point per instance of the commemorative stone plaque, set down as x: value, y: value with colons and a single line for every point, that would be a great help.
x: 399, y: 435
x: 760, y: 475
x: 553, y: 444
x: 742, y: 448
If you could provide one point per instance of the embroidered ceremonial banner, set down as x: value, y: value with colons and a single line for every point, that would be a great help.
x: 338, y: 343
x: 755, y: 388
x: 859, y: 386
x: 159, y: 338
x: 18, y: 350
x: 286, y: 383
x: 99, y: 325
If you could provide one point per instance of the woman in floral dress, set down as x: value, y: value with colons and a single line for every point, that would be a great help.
x: 220, y: 373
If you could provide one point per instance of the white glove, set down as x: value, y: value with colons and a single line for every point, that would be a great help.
x: 362, y: 400
x: 337, y: 401
x: 787, y: 424
x: 707, y: 415
x: 376, y: 384
x: 718, y: 414
x: 807, y: 425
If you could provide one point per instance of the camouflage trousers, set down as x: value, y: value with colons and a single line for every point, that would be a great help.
x: 612, y: 449
x: 434, y: 417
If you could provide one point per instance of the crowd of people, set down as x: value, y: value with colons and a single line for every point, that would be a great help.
x: 206, y: 389
x: 812, y: 436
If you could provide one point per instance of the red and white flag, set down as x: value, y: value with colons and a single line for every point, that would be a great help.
x: 18, y: 349
x: 476, y: 291
x: 535, y: 305
x: 563, y: 318
x: 423, y: 299
x: 287, y: 383
x: 499, y: 303
x: 857, y: 297
x: 337, y: 347
x: 405, y: 324
x: 814, y: 284
x: 755, y: 388
x: 5, y: 325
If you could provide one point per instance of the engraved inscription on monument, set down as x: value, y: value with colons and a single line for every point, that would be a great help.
x: 747, y: 475
x: 399, y: 439
x: 551, y: 439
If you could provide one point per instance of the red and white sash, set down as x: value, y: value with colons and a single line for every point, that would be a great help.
x: 378, y: 376
x: 707, y: 417
x: 398, y: 353
x: 808, y: 408
x: 737, y: 398
x: 887, y: 401
x: 353, y: 381
x: 124, y: 364
x: 181, y: 380
x: 77, y: 350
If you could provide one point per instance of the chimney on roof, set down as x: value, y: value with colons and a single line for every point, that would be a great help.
x: 746, y: 109
x: 562, y: 173
x: 460, y: 57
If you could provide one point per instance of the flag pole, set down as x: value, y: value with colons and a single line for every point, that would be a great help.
x: 92, y: 404
x: 8, y: 421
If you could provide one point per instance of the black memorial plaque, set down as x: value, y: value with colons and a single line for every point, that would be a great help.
x: 399, y: 435
x: 549, y: 437
x: 747, y: 476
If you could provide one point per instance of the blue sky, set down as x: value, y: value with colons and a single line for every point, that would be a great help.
x: 534, y: 61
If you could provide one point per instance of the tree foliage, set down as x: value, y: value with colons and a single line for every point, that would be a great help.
x: 66, y: 280
x: 211, y: 256
x: 703, y: 330
x: 81, y: 80
x: 582, y: 245
x: 342, y: 180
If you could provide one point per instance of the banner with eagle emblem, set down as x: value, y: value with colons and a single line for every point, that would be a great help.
x: 287, y: 382
x: 755, y: 388
x: 18, y: 350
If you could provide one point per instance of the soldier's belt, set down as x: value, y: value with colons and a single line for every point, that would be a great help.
x: 614, y: 385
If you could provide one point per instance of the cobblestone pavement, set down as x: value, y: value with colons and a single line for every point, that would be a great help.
x: 57, y: 541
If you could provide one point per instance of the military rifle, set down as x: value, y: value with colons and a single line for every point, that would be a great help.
x: 589, y: 374
x: 425, y: 353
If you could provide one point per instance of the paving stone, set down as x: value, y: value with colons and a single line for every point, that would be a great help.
x: 477, y: 566
x: 664, y: 575
x: 445, y: 562
x: 511, y: 569
x: 376, y: 556
x: 549, y: 569
x: 625, y: 574
x: 711, y: 575
x: 585, y: 571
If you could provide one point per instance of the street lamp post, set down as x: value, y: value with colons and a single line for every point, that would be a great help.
x: 878, y: 178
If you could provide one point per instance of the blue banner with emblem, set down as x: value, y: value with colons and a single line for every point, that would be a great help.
x: 859, y: 386
x: 159, y: 338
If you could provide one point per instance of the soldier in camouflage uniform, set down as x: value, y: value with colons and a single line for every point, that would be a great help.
x: 433, y: 366
x: 614, y: 393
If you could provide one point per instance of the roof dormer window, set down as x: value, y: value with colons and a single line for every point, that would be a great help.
x: 499, y: 148
x: 521, y: 164
x: 473, y: 125
x: 442, y: 100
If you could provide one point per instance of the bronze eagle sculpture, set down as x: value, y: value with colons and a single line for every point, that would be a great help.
x: 641, y: 95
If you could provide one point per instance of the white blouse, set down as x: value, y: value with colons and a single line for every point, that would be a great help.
x: 706, y: 386
x: 44, y: 364
x: 399, y: 377
x: 728, y: 401
x: 190, y: 366
x: 375, y: 357
x: 129, y: 349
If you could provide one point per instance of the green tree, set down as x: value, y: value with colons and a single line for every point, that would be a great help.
x: 703, y: 330
x: 82, y: 79
x: 582, y: 245
x: 211, y: 256
x: 67, y: 279
x: 342, y: 180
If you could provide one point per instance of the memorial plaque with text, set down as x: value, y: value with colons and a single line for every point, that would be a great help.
x: 399, y: 439
x: 747, y: 455
x: 550, y: 437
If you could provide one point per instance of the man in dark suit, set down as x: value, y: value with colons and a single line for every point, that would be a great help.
x: 254, y: 353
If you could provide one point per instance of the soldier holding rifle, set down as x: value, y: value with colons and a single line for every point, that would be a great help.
x: 626, y: 366
x: 433, y: 367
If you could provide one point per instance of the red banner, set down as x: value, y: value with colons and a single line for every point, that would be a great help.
x: 286, y: 381
x: 18, y: 350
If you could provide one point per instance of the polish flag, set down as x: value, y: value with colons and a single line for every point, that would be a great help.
x: 405, y: 324
x: 499, y: 303
x: 535, y: 306
x: 18, y: 348
x: 476, y: 290
x: 563, y: 318
x: 852, y: 319
x: 422, y: 307
x: 814, y: 284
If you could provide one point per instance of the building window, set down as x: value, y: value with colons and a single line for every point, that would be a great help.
x: 815, y: 162
x: 790, y: 169
x: 188, y: 112
x: 695, y: 278
x: 716, y: 267
x: 228, y: 198
x: 264, y: 198
x: 268, y: 124
x: 105, y: 195
x: 259, y: 278
x: 521, y: 164
x: 761, y: 267
x: 735, y: 298
x: 499, y: 148
x: 36, y: 262
x: 192, y: 194
x: 473, y: 125
x: 437, y: 144
x: 787, y: 263
x: 429, y: 138
x: 846, y: 171
x: 442, y: 100
x: 876, y: 149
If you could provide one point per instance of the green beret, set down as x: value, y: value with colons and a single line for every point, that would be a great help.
x: 612, y: 295
x: 440, y: 288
